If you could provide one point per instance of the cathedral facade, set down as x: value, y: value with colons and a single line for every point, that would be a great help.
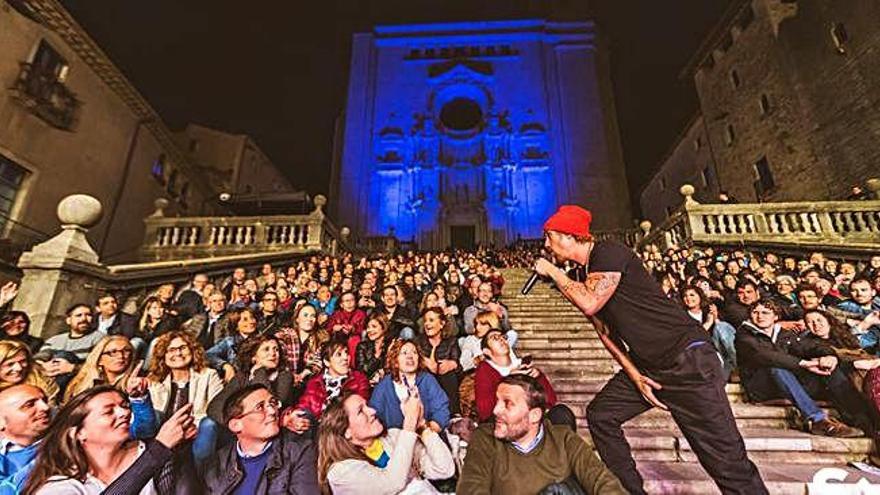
x: 465, y: 133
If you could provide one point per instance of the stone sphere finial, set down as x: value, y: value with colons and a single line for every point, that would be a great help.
x: 159, y: 204
x: 345, y: 231
x: 873, y: 185
x: 645, y: 225
x: 79, y: 210
x: 688, y: 191
x: 320, y: 200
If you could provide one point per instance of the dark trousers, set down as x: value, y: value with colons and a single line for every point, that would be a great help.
x: 693, y: 389
x: 449, y: 384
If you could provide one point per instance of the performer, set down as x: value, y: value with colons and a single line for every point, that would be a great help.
x: 668, y: 361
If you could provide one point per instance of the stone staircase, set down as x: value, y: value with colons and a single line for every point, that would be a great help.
x: 564, y: 345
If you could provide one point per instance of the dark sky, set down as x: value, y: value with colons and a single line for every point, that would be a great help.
x: 277, y: 70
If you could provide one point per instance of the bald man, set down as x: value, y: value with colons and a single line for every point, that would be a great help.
x: 24, y: 418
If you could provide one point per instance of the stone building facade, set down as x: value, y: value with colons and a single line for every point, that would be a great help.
x: 689, y: 161
x: 464, y: 133
x: 236, y: 165
x: 790, y: 96
x: 70, y: 122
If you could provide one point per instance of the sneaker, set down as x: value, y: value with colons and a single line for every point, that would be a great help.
x: 832, y: 428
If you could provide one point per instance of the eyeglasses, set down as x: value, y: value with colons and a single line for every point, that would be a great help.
x: 262, y: 408
x: 181, y: 349
x: 117, y: 353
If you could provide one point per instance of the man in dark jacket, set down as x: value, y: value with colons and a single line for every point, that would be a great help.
x: 775, y: 363
x: 264, y: 458
x: 110, y: 320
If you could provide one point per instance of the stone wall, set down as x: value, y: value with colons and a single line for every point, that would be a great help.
x: 773, y: 85
x: 108, y: 153
x: 689, y: 161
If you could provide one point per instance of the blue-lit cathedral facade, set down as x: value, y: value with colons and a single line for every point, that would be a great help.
x: 464, y: 133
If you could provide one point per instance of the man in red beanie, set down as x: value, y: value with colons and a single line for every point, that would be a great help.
x: 668, y: 363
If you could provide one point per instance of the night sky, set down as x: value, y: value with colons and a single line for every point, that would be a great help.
x: 277, y: 70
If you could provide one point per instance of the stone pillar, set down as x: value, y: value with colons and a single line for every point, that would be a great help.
x: 63, y: 270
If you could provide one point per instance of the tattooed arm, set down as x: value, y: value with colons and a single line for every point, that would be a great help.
x: 590, y: 296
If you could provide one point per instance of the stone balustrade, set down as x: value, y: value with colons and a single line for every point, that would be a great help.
x: 837, y: 226
x: 170, y: 238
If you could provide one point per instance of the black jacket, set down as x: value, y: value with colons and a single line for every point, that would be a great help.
x: 755, y: 352
x: 124, y: 324
x: 291, y: 468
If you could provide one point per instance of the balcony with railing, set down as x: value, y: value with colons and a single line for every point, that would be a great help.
x: 182, y: 238
x: 44, y: 95
x: 836, y: 226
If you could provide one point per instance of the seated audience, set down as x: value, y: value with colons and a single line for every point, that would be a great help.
x: 260, y: 360
x: 302, y: 344
x: 323, y: 389
x: 404, y: 376
x: 777, y: 363
x: 371, y: 351
x: 16, y: 325
x: 441, y: 354
x: 723, y: 334
x: 485, y: 301
x: 17, y: 367
x: 357, y: 454
x: 62, y: 353
x: 349, y: 321
x: 88, y: 447
x: 524, y: 453
x: 222, y: 355
x: 24, y: 418
x: 401, y: 320
x: 111, y: 362
x: 500, y: 362
x: 112, y: 321
x: 736, y: 311
x: 179, y: 375
x: 264, y: 458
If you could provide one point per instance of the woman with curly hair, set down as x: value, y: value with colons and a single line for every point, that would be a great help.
x: 356, y: 454
x: 259, y: 360
x: 404, y: 376
x: 179, y: 375
x: 17, y: 366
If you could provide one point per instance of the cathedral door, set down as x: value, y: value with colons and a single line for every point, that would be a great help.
x: 463, y: 236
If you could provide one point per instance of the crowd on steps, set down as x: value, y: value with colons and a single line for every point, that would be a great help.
x: 389, y: 374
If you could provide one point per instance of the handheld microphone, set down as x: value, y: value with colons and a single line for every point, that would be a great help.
x: 527, y: 287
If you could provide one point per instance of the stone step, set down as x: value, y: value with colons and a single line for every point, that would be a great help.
x: 747, y: 416
x: 574, y: 356
x: 689, y: 478
x: 783, y: 446
x: 540, y: 344
x: 557, y: 334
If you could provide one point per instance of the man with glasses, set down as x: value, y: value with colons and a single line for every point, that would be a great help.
x: 270, y: 318
x: 778, y: 363
x: 264, y: 457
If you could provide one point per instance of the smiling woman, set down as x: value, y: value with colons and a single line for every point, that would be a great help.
x: 17, y: 366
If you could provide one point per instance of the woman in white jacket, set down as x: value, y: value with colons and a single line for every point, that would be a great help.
x: 179, y: 375
x: 357, y: 456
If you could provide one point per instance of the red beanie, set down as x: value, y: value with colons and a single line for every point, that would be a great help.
x: 570, y: 219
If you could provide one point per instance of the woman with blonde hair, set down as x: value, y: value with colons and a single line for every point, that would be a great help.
x: 110, y: 362
x: 357, y: 455
x: 17, y: 366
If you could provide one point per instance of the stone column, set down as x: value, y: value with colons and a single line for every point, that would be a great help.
x: 62, y: 271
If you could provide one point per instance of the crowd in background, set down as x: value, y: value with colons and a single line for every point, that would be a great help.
x: 311, y: 377
x: 365, y: 375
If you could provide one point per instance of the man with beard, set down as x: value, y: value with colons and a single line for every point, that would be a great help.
x: 523, y: 453
x: 24, y: 418
x: 61, y: 353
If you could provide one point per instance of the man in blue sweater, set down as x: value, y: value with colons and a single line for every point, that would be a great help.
x: 24, y: 418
